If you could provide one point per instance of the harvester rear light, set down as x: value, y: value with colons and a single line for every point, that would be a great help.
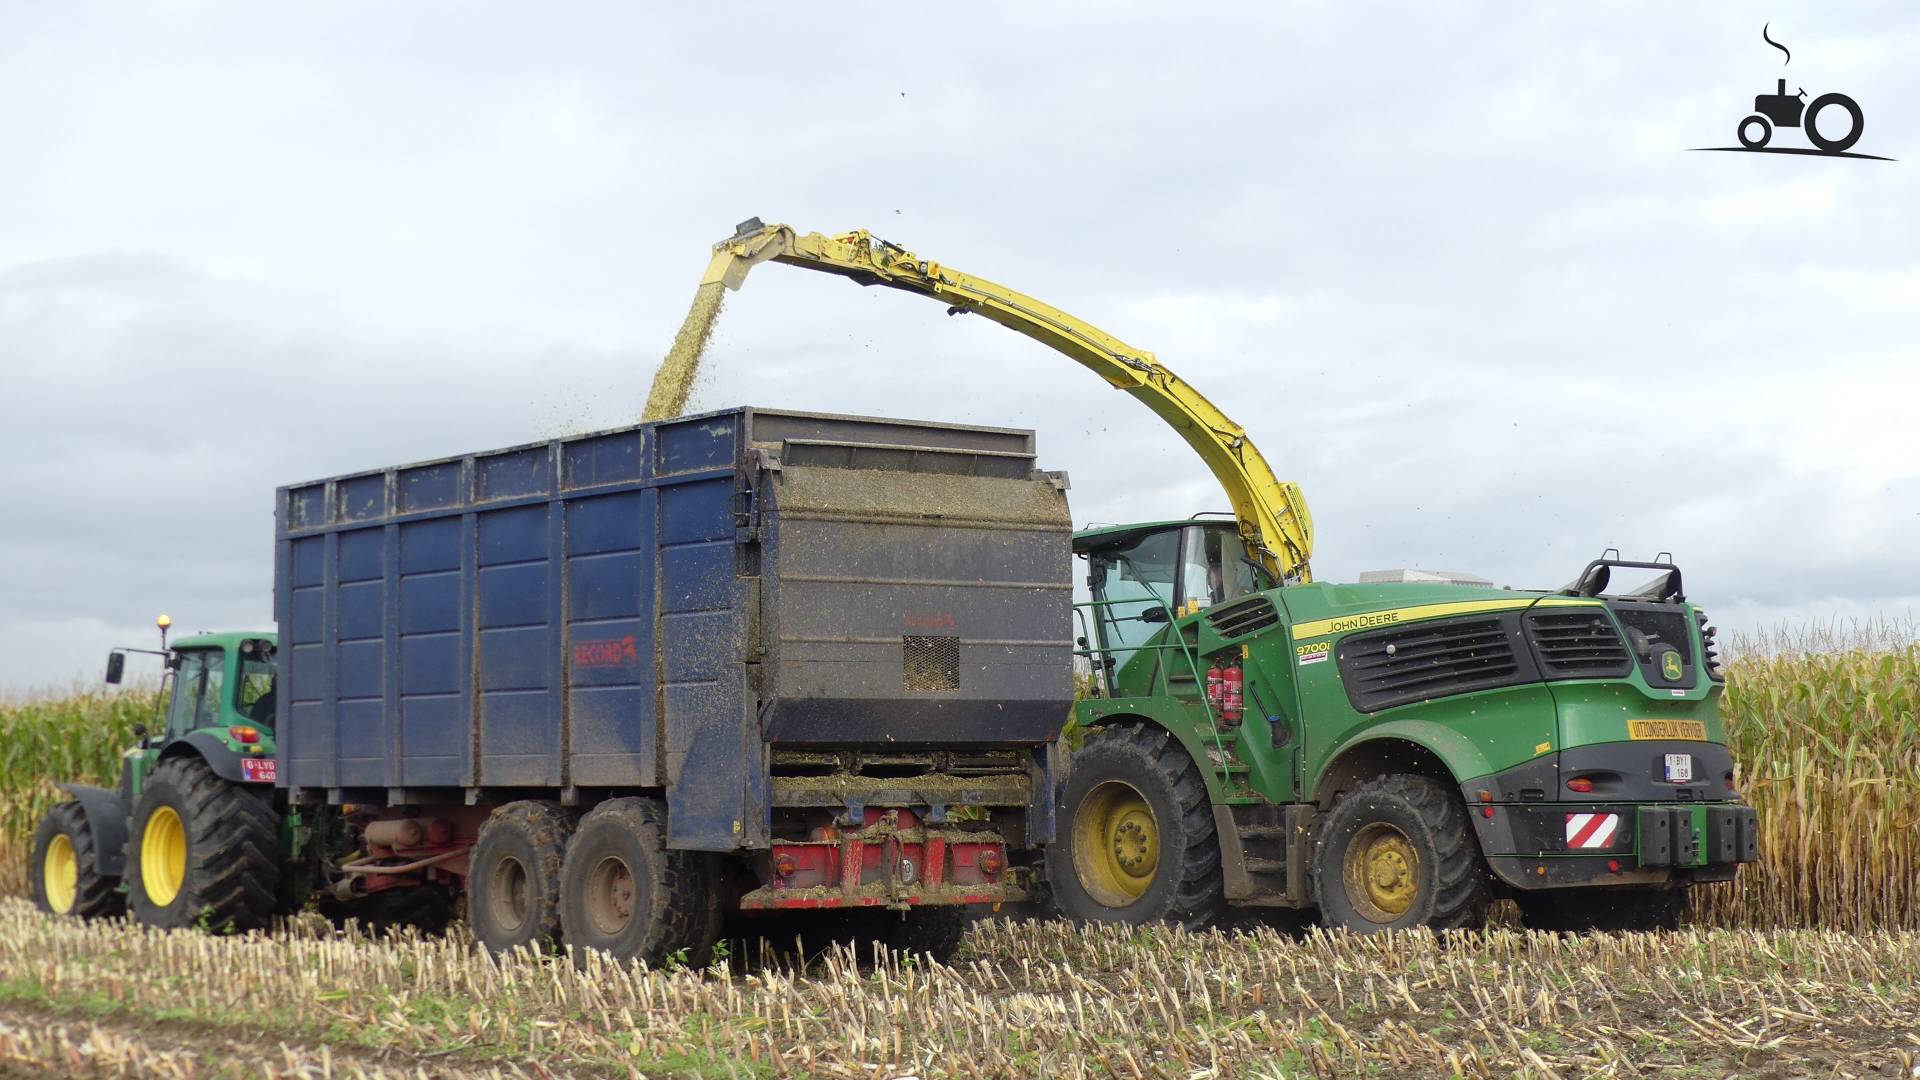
x: 245, y: 735
x: 1581, y: 784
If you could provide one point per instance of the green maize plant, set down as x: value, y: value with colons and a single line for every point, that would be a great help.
x: 45, y: 741
x: 1825, y: 731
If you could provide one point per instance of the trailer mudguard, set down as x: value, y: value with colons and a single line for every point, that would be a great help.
x: 107, y: 817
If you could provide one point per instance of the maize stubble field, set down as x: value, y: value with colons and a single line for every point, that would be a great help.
x: 1809, y: 965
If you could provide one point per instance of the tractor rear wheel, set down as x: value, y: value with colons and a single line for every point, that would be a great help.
x: 624, y: 893
x: 204, y: 851
x: 65, y: 881
x: 1602, y: 909
x: 1397, y: 852
x: 1136, y: 842
x: 513, y: 877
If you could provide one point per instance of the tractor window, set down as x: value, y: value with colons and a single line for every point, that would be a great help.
x: 255, y: 698
x: 196, y: 691
x: 1133, y: 590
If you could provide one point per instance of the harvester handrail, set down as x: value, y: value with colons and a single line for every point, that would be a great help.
x: 1272, y: 513
x: 1173, y: 640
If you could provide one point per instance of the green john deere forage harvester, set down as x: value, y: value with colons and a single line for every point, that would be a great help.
x: 1395, y: 754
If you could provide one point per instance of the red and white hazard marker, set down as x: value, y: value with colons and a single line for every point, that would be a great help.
x: 1591, y: 830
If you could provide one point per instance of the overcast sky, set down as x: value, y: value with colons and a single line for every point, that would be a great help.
x: 1453, y: 268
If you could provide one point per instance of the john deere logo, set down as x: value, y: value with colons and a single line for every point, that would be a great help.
x: 1670, y: 666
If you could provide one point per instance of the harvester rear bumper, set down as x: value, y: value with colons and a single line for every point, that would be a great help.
x: 1553, y: 845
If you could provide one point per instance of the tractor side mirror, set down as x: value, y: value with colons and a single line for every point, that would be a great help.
x: 1154, y: 614
x: 116, y: 667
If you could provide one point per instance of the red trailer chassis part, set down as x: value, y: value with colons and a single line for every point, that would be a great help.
x: 892, y: 859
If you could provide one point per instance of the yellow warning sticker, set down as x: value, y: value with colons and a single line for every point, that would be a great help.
x: 1695, y: 730
x: 1543, y: 748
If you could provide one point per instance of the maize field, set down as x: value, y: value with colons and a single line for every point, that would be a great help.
x: 48, y: 740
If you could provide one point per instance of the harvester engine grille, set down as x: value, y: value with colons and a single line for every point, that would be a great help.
x: 1428, y: 660
x: 931, y: 662
x: 1578, y: 645
x: 1242, y: 617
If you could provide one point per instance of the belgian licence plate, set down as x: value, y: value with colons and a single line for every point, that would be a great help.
x: 1679, y: 768
x: 265, y: 770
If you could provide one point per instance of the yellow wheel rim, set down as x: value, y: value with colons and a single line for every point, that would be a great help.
x: 1116, y: 844
x: 163, y: 856
x: 1382, y: 873
x: 60, y: 874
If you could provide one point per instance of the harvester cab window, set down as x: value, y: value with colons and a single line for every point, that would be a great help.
x: 1133, y: 590
x: 196, y: 691
x: 1214, y: 567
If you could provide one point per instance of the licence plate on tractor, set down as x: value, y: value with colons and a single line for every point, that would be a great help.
x: 1679, y: 768
x: 260, y: 770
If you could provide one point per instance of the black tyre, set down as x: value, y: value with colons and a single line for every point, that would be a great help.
x: 427, y: 908
x: 65, y: 881
x: 203, y: 851
x: 1135, y: 841
x: 1754, y: 142
x: 513, y: 880
x: 623, y: 893
x: 1603, y: 909
x: 1845, y: 103
x: 1397, y: 852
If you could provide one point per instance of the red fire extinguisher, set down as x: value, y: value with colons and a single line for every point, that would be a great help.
x: 1232, y: 705
x: 1216, y: 687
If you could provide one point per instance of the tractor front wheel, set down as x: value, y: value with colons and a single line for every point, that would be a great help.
x: 65, y: 880
x: 1398, y: 852
x: 1136, y: 841
x: 204, y: 851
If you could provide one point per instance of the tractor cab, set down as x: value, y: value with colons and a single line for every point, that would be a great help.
x: 217, y: 701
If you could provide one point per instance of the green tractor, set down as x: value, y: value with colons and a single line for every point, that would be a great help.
x: 1394, y: 754
x: 197, y: 833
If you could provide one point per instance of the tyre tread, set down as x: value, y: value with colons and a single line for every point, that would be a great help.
x: 96, y: 895
x: 233, y: 866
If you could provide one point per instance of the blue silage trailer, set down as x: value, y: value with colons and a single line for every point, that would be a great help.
x: 619, y: 685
